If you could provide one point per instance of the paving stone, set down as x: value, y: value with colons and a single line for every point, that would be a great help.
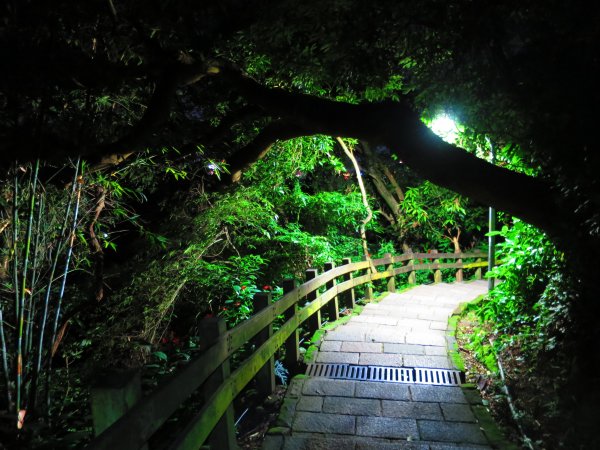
x: 430, y: 331
x: 381, y: 359
x: 448, y: 446
x: 451, y: 432
x: 325, y: 386
x: 330, y: 346
x: 353, y: 406
x: 378, y: 310
x: 354, y: 326
x: 318, y: 442
x: 398, y: 445
x: 457, y: 412
x: 439, y: 302
x: 437, y: 362
x: 337, y: 357
x: 387, y: 391
x: 286, y: 412
x: 433, y: 350
x: 404, y: 349
x: 439, y: 325
x: 324, y: 423
x: 393, y: 314
x: 425, y: 338
x: 295, y: 388
x: 372, y: 307
x: 407, y: 312
x: 391, y: 336
x: 346, y: 335
x: 396, y: 301
x: 438, y: 315
x: 421, y: 308
x: 376, y: 320
x: 442, y: 394
x: 473, y: 397
x: 362, y: 347
x: 272, y: 443
x: 310, y: 403
x: 415, y: 324
x: 411, y: 410
x: 387, y: 427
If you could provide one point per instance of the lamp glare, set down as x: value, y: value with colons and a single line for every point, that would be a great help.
x: 445, y: 127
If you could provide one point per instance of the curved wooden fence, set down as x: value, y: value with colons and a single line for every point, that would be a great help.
x: 210, y: 374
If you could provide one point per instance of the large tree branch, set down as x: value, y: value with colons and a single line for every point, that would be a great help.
x: 261, y: 144
x: 398, y: 127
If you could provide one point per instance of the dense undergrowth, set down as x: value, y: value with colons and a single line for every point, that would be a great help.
x: 522, y: 329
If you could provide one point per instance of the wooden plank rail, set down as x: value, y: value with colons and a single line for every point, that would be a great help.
x: 135, y: 428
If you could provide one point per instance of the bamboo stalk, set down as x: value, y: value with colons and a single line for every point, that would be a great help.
x: 15, y: 236
x: 67, y: 261
x: 61, y: 294
x: 21, y: 312
x: 5, y: 358
x: 34, y: 279
x: 29, y: 356
x: 44, y: 315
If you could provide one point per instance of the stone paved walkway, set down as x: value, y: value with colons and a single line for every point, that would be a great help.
x: 407, y: 329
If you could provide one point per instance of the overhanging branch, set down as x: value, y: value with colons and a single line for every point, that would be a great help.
x: 261, y: 144
x: 398, y: 127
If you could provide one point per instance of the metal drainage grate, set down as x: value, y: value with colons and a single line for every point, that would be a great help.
x: 416, y: 375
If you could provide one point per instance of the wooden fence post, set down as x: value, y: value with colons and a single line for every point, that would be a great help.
x: 348, y: 296
x: 292, y: 344
x: 333, y: 307
x: 265, y: 378
x: 459, y: 272
x: 412, y: 275
x: 478, y: 270
x: 437, y: 274
x: 114, y: 393
x: 391, y: 284
x: 223, y: 435
x: 314, y: 321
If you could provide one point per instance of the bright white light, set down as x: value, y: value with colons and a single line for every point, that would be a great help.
x: 445, y: 128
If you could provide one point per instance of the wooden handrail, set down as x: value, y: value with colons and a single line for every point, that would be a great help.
x: 134, y: 428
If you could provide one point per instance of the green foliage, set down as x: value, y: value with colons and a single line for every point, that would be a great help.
x: 438, y: 216
x: 529, y: 262
x: 294, y: 157
x: 482, y: 348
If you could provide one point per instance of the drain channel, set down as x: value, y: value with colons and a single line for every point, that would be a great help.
x: 416, y: 375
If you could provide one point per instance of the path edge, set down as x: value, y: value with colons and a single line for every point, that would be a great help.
x: 488, y: 425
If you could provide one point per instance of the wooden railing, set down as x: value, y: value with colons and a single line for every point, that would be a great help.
x: 210, y: 374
